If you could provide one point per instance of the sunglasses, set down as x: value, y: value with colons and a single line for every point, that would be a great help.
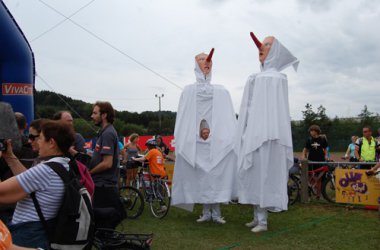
x: 33, y: 137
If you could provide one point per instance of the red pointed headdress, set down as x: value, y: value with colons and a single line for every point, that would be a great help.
x: 257, y: 42
x: 208, y: 59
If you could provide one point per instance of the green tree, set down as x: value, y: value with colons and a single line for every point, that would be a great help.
x: 45, y: 111
x: 309, y: 116
x: 319, y: 118
x: 130, y: 128
x: 47, y: 103
x: 323, y: 120
x: 366, y: 117
x: 86, y: 128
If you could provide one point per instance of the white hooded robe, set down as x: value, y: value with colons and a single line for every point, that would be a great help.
x: 264, y: 140
x: 205, y: 170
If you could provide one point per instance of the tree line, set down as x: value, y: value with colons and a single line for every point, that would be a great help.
x: 146, y: 123
x: 337, y: 130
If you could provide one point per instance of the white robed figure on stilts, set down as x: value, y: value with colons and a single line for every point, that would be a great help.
x: 205, y: 167
x: 264, y: 139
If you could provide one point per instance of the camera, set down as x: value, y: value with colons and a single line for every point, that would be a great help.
x: 3, y: 145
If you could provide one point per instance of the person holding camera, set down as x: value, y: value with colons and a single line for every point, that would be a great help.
x: 54, y: 142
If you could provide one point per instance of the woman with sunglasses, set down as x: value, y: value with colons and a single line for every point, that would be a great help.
x: 34, y: 133
x: 54, y: 141
x: 27, y: 156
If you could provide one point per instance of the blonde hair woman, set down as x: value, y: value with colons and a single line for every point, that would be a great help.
x: 131, y: 150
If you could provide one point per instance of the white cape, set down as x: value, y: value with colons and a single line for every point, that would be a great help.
x: 204, y: 170
x: 264, y: 141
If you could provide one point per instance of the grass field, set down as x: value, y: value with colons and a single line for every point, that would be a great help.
x: 316, y: 225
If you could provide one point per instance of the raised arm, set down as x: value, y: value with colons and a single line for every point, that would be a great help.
x: 13, y: 162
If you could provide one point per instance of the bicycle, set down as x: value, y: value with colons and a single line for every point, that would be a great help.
x: 328, y: 181
x: 131, y: 197
x: 320, y: 180
x: 324, y: 177
x: 293, y: 189
x: 375, y: 173
x: 107, y: 238
x: 155, y: 190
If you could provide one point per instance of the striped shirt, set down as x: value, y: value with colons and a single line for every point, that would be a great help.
x: 49, y: 190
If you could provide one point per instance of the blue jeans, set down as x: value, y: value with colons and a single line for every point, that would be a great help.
x: 29, y: 234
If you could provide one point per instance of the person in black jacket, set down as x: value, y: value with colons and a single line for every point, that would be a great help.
x: 162, y: 146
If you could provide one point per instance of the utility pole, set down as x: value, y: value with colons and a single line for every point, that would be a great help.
x: 159, y: 110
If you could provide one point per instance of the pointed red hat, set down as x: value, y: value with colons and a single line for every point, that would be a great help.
x: 257, y: 42
x: 208, y: 59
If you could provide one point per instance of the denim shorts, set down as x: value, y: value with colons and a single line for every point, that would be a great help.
x: 29, y: 234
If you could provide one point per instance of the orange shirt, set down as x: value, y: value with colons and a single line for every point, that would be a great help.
x: 156, y: 162
x: 5, y: 237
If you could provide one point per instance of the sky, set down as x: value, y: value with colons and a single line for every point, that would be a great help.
x: 126, y: 52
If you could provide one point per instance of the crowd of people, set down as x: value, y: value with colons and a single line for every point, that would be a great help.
x: 26, y: 171
x: 210, y: 167
x: 365, y: 148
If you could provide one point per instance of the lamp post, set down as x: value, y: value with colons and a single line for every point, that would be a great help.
x: 159, y: 110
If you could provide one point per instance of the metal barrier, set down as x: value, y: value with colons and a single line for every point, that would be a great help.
x: 305, y: 173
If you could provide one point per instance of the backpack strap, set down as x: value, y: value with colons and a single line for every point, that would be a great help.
x: 64, y: 175
x: 74, y: 169
x: 59, y: 170
x: 41, y: 216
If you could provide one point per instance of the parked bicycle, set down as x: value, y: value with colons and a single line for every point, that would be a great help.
x: 293, y: 189
x: 328, y: 186
x: 321, y: 181
x: 146, y: 188
x: 131, y: 197
x: 155, y: 190
x: 107, y: 238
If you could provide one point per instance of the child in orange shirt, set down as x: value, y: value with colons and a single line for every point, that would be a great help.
x: 155, y: 159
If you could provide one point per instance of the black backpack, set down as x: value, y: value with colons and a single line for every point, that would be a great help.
x: 73, y: 228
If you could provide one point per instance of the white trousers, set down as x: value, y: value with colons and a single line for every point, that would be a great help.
x: 260, y: 215
x: 212, y: 210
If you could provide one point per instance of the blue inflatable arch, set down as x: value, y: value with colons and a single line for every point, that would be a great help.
x: 17, y: 72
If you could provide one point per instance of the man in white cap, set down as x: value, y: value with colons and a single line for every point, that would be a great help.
x: 264, y: 140
x: 205, y: 161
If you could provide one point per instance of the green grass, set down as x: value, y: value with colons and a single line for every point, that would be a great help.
x: 303, y: 226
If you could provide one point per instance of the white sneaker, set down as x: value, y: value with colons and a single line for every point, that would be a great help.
x: 252, y: 224
x: 274, y: 210
x: 259, y: 228
x: 204, y: 218
x: 219, y: 220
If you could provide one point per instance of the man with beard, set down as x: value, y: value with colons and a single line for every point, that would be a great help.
x: 105, y: 161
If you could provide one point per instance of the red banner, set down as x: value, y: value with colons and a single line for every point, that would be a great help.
x: 168, y: 140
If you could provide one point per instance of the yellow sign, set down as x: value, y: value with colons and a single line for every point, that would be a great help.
x: 355, y: 187
x: 169, y: 167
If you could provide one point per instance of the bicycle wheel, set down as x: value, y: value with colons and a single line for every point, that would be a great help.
x: 122, y: 175
x: 328, y: 188
x: 133, y: 201
x: 111, y: 239
x: 160, y: 202
x: 293, y: 190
